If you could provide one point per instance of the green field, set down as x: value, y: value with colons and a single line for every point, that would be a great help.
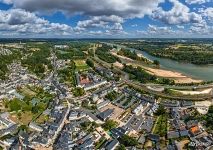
x: 81, y: 65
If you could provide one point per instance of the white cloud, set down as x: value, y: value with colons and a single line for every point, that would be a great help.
x: 112, y: 24
x: 18, y: 21
x: 179, y: 14
x: 95, y: 32
x: 152, y: 29
x: 201, y: 30
x: 197, y: 1
x: 208, y: 13
x: 99, y: 21
x: 122, y: 8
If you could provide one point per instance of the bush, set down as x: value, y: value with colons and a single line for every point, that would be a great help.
x: 128, y: 141
x: 109, y: 124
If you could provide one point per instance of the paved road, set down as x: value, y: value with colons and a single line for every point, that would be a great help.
x: 51, y: 141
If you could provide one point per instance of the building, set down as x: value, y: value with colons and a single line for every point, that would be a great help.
x: 154, y: 137
x: 112, y: 144
x: 61, y: 46
x: 34, y: 126
x: 195, y: 130
x: 5, y: 122
x: 105, y: 114
x: 94, y: 85
x: 103, y: 104
x: 138, y: 109
x: 184, y: 133
x: 118, y: 132
x: 173, y: 134
x: 73, y: 115
x: 141, y: 139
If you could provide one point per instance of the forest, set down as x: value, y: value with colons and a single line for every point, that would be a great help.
x: 199, y: 54
x: 104, y: 54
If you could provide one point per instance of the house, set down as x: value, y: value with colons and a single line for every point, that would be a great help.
x: 112, y: 145
x: 73, y: 115
x: 170, y: 103
x: 94, y: 85
x: 105, y: 114
x: 154, y: 137
x: 175, y: 114
x: 5, y: 122
x: 195, y: 130
x: 138, y: 109
x: 118, y: 132
x: 141, y: 139
x: 95, y: 97
x: 186, y: 103
x: 88, y: 144
x: 61, y: 46
x: 102, y: 104
x: 173, y: 134
x: 9, y: 142
x: 179, y: 124
x: 192, y: 123
x: 34, y: 126
x: 184, y: 133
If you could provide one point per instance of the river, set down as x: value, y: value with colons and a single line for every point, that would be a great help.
x: 203, y: 72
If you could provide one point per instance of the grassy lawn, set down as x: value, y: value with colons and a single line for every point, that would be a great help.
x: 23, y: 118
x: 27, y: 91
x: 31, y: 107
x: 42, y: 118
x: 161, y: 125
x: 81, y: 65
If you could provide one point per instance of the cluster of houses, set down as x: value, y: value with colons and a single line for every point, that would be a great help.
x: 89, y: 81
x: 61, y: 46
x: 192, y: 129
x: 132, y: 110
x: 4, y: 51
x: 17, y: 77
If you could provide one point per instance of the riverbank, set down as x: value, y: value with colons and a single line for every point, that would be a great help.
x: 176, y: 76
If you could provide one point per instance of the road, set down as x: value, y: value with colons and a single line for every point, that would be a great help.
x: 52, y: 79
x: 51, y: 141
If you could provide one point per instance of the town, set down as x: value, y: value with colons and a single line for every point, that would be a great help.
x: 83, y: 95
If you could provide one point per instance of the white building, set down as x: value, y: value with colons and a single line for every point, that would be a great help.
x: 35, y: 127
x: 138, y: 109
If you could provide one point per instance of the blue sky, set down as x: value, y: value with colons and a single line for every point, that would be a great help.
x: 106, y: 19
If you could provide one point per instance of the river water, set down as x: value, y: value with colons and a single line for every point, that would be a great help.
x: 204, y: 72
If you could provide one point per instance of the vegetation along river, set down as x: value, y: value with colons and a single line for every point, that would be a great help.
x: 203, y: 72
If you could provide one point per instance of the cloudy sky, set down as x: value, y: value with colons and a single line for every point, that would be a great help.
x: 106, y: 18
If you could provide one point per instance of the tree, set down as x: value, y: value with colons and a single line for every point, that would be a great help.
x: 128, y: 141
x: 209, y: 117
x: 90, y: 63
x: 78, y: 92
x: 156, y: 62
x: 161, y: 110
x: 109, y: 124
x: 121, y: 147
